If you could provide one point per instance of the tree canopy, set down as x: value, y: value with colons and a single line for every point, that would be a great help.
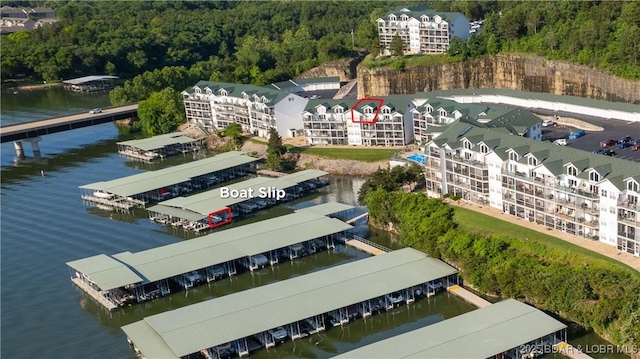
x: 161, y: 113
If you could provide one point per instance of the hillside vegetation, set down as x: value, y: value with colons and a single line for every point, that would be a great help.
x: 592, y: 292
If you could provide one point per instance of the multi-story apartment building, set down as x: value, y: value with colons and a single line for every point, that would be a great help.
x: 215, y: 105
x: 423, y: 31
x: 352, y: 122
x: 432, y: 116
x: 581, y: 193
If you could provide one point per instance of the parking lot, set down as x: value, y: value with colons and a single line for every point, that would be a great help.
x: 613, y: 130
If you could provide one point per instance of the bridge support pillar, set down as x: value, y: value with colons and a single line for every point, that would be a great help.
x: 34, y: 146
x: 19, y: 150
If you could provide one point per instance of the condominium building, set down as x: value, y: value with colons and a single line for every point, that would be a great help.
x: 432, y: 116
x: 215, y: 105
x: 387, y: 122
x: 588, y: 195
x: 423, y: 30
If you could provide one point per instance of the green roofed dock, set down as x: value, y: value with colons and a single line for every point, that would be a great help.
x: 127, y: 277
x: 508, y: 329
x: 219, y: 206
x: 232, y: 325
x: 158, y: 147
x: 153, y: 186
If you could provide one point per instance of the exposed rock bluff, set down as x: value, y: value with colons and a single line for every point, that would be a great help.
x: 516, y: 72
x: 345, y: 69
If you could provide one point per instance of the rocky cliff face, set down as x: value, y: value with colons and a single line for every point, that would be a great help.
x: 343, y: 68
x: 524, y: 73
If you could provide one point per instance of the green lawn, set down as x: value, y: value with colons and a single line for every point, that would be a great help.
x: 476, y: 222
x: 356, y: 154
x: 409, y: 60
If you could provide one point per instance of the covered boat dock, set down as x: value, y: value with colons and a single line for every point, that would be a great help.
x: 136, y: 277
x: 158, y: 147
x: 292, y: 308
x: 508, y: 329
x: 205, y: 210
x: 153, y: 186
x: 89, y: 83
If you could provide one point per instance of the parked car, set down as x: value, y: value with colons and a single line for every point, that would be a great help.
x: 625, y: 139
x: 636, y: 141
x: 547, y: 123
x: 635, y: 148
x: 624, y: 145
x: 610, y: 152
x: 95, y: 110
x: 600, y: 152
x: 576, y: 133
x: 560, y: 142
x: 608, y: 143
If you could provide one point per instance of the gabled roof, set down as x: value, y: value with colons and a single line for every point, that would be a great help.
x: 555, y: 157
x: 420, y: 10
x: 236, y: 90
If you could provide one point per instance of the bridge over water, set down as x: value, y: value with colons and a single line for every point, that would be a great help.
x: 31, y: 131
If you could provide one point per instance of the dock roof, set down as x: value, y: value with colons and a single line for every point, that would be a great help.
x: 199, y: 206
x: 151, y: 180
x: 481, y: 333
x: 158, y: 263
x: 218, y: 321
x: 157, y: 142
x: 81, y: 80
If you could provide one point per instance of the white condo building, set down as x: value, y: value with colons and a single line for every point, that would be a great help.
x: 215, y: 105
x: 423, y: 30
x: 588, y: 195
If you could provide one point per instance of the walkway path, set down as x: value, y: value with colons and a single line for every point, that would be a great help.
x: 567, y: 350
x: 365, y: 247
x: 344, y: 90
x: 599, y: 247
x: 469, y: 297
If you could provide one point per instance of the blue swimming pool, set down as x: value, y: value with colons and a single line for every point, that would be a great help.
x: 417, y: 157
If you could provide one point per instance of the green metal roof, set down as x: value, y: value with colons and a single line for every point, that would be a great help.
x: 272, y: 95
x: 574, y: 100
x: 302, y: 82
x: 480, y: 334
x: 149, y: 342
x: 152, y: 180
x: 216, y: 248
x: 106, y: 272
x: 157, y: 142
x: 551, y: 156
x: 419, y: 10
x: 218, y: 321
x: 199, y: 206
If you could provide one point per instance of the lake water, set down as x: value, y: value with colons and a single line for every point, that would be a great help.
x: 45, y: 224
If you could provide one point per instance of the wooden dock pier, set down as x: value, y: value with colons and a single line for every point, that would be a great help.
x: 567, y: 350
x: 98, y: 296
x: 355, y: 219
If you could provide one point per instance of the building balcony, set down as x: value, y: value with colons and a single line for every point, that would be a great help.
x: 630, y: 206
x: 460, y: 160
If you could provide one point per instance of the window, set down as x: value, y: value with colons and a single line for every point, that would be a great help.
x: 572, y: 171
x: 223, y: 92
x: 429, y: 109
x: 443, y: 113
x: 573, y: 183
x: 368, y: 110
x: 603, y: 193
x: 386, y: 110
x: 533, y: 161
x: 513, y: 156
x: 594, y: 176
x: 484, y: 149
x: 632, y: 186
x: 467, y: 145
x: 339, y: 110
x: 197, y: 89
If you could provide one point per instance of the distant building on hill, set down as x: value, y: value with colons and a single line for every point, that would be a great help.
x: 20, y: 19
x: 423, y: 30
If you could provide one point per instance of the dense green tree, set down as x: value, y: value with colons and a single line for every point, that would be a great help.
x: 234, y: 131
x: 275, y: 149
x: 161, y: 113
x: 397, y: 46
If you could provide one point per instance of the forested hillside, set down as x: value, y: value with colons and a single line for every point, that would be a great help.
x: 245, y: 42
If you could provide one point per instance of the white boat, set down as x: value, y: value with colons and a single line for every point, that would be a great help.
x: 102, y: 194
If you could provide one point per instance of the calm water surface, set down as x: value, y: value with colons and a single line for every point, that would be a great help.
x: 45, y: 224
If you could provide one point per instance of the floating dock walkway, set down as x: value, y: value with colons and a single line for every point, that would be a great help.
x: 469, y: 297
x: 127, y: 277
x: 291, y: 308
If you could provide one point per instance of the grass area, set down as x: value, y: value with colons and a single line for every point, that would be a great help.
x: 258, y: 142
x: 355, y: 154
x: 476, y: 222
